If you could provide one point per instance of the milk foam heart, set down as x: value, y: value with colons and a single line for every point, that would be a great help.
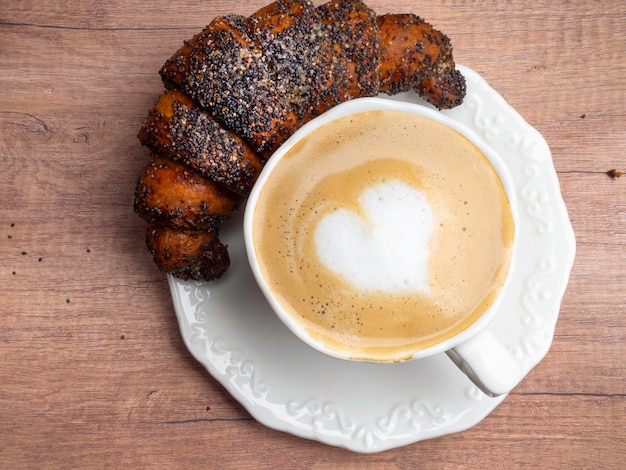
x: 386, y: 248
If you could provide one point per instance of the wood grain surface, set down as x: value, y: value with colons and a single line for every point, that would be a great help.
x: 93, y: 371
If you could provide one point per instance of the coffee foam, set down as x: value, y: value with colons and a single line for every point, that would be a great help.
x: 383, y: 247
x: 442, y: 190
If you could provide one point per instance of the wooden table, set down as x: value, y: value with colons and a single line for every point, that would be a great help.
x: 93, y: 371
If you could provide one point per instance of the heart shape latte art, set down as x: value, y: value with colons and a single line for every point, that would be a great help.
x: 383, y: 248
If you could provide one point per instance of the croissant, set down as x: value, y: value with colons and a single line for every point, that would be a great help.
x: 239, y: 88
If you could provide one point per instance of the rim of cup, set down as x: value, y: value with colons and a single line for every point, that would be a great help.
x: 353, y: 107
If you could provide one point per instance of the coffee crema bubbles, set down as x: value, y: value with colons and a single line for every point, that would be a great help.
x: 383, y: 233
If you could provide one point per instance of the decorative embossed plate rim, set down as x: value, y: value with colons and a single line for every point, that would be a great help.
x: 229, y: 328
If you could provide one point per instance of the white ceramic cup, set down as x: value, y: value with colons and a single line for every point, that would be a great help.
x: 475, y: 350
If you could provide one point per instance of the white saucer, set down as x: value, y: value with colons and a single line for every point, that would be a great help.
x: 229, y: 328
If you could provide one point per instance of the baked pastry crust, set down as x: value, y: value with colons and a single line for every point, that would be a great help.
x: 242, y: 86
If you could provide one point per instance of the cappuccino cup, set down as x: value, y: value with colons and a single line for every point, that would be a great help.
x: 384, y: 231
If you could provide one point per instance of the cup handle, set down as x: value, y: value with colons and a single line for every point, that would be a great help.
x: 487, y: 363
